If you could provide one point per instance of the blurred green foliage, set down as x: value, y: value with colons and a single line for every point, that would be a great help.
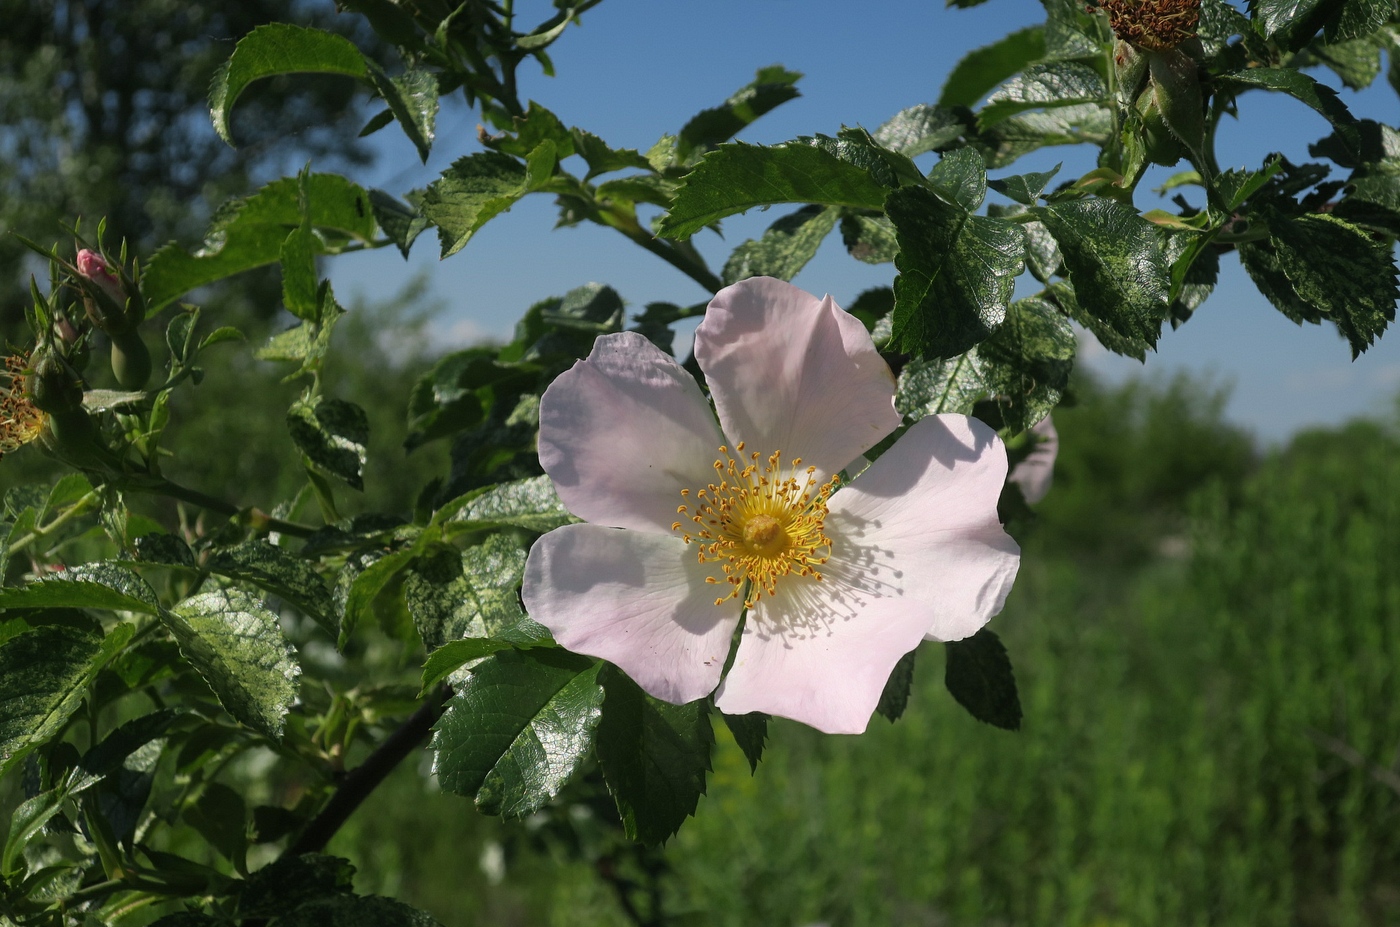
x: 1207, y: 738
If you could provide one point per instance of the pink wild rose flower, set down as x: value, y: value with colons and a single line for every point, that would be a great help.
x: 689, y: 522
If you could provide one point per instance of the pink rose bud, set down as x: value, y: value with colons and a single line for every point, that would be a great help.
x: 92, y: 266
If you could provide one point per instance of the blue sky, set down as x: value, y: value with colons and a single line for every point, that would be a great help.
x: 637, y: 69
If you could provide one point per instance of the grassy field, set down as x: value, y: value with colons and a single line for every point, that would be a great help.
x: 1211, y: 682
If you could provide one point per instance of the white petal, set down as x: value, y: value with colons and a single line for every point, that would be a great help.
x: 1035, y: 473
x: 916, y: 551
x: 636, y: 599
x: 925, y: 514
x: 622, y: 432
x: 820, y: 651
x: 794, y: 373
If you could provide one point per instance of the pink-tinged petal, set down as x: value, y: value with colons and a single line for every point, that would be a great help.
x: 1035, y: 473
x: 925, y: 514
x: 791, y: 372
x: 916, y: 552
x: 636, y: 599
x: 820, y: 651
x: 622, y: 432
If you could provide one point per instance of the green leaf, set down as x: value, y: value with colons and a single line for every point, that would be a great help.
x: 470, y: 193
x: 361, y: 582
x: 602, y: 159
x: 529, y: 503
x: 1083, y: 123
x: 281, y: 573
x: 44, y: 674
x: 738, y: 177
x: 298, y: 259
x: 332, y: 433
x: 26, y: 822
x: 1356, y: 62
x: 894, y: 698
x: 982, y: 69
x: 920, y: 129
x: 956, y: 273
x: 289, y: 882
x: 771, y: 87
x: 928, y: 387
x: 979, y: 676
x: 1320, y: 97
x: 785, y: 248
x: 1237, y: 186
x: 220, y: 335
x: 1335, y: 270
x: 518, y: 729
x: 1044, y: 86
x: 220, y: 816
x: 654, y: 756
x: 453, y: 655
x: 857, y: 146
x: 68, y: 490
x: 308, y: 342
x: 960, y: 178
x: 88, y: 585
x: 1358, y: 19
x: 750, y: 733
x: 401, y: 222
x: 453, y: 595
x: 278, y: 48
x: 1024, y: 188
x: 105, y: 400
x: 248, y: 233
x: 1026, y: 364
x: 109, y: 755
x: 869, y: 238
x: 236, y: 644
x: 413, y: 100
x: 1115, y: 262
x: 1062, y: 295
x: 1271, y: 17
x: 356, y: 911
x: 446, y: 399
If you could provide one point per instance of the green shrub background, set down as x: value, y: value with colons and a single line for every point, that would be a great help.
x: 1208, y: 652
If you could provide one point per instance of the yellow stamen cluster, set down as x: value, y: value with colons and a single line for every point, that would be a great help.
x: 20, y: 420
x: 761, y: 521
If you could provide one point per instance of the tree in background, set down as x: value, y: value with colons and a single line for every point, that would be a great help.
x: 103, y: 113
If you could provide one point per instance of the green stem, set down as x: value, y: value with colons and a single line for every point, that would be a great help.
x: 159, y: 486
x: 79, y: 507
x: 700, y: 275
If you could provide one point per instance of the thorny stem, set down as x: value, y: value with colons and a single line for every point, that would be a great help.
x: 365, y: 778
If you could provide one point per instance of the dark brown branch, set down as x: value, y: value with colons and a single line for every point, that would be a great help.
x: 365, y: 778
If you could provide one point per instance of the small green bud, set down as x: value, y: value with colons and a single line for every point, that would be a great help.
x: 131, y: 360
x: 1162, y: 147
x: 74, y: 439
x: 52, y: 384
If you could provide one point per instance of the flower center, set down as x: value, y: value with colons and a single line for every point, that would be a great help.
x: 20, y: 420
x: 762, y: 520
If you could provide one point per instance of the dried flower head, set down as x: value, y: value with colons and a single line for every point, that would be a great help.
x: 1155, y: 25
x: 20, y: 420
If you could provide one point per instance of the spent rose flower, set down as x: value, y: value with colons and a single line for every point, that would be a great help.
x: 688, y: 522
x: 20, y: 420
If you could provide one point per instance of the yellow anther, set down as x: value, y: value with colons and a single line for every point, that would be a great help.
x: 760, y: 523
